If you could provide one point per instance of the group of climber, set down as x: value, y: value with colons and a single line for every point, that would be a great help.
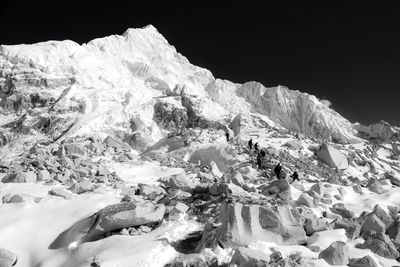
x: 261, y: 155
x: 277, y: 168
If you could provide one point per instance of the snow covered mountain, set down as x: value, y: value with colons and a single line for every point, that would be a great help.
x: 115, y: 86
x: 113, y: 153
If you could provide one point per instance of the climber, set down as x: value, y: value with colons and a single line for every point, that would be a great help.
x: 295, y: 177
x: 277, y: 170
x: 256, y: 147
x: 259, y: 161
x: 227, y: 136
x: 250, y: 144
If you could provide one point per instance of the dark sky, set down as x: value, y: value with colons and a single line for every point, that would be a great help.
x: 347, y: 52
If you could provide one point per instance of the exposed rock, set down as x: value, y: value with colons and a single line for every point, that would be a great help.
x: 373, y: 224
x: 20, y: 177
x: 7, y: 258
x: 336, y: 254
x: 358, y: 189
x: 294, y: 144
x: 182, y: 182
x: 366, y: 261
x: 332, y: 157
x: 60, y: 193
x: 243, y: 224
x: 82, y: 187
x: 381, y: 244
x: 151, y: 191
x: 278, y: 188
x: 74, y: 150
x: 382, y: 215
x: 393, y: 179
x: 43, y: 175
x: 340, y: 209
x: 351, y: 226
x: 375, y: 186
x: 393, y: 231
x: 248, y: 257
x: 306, y: 200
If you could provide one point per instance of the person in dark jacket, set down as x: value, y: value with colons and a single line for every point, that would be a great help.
x: 259, y: 161
x: 256, y: 147
x: 250, y: 143
x: 227, y: 136
x: 295, y: 177
x: 277, y: 170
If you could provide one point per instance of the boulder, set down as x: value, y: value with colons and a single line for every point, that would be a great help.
x: 151, y: 191
x: 336, y: 254
x: 393, y: 231
x: 248, y: 257
x: 306, y: 200
x: 381, y: 244
x: 351, y: 226
x: 182, y: 182
x: 43, y: 175
x: 382, y: 215
x: 277, y: 188
x: 7, y: 258
x: 366, y: 261
x: 82, y: 187
x: 60, y: 193
x: 318, y: 188
x: 74, y: 150
x: 245, y: 224
x: 332, y: 157
x: 238, y: 180
x: 341, y: 210
x: 373, y: 224
x: 392, y: 178
x: 294, y: 144
x: 110, y: 218
x: 19, y: 177
x: 375, y: 186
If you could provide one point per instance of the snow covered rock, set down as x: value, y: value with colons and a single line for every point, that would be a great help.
x: 248, y: 257
x: 19, y: 177
x: 332, y: 157
x: 82, y: 187
x: 336, y: 254
x: 366, y: 261
x: 60, y: 193
x: 382, y: 131
x: 279, y: 188
x: 7, y: 258
x: 243, y: 224
x: 381, y: 244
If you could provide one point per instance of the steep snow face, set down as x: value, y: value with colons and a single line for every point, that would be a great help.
x: 112, y: 86
x: 293, y: 110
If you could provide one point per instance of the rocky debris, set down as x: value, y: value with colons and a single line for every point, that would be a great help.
x: 381, y: 244
x: 375, y: 186
x: 248, y: 257
x: 60, y: 193
x: 151, y: 192
x: 393, y: 231
x: 366, y: 261
x: 332, y: 157
x: 81, y: 187
x: 341, y: 210
x: 242, y: 224
x: 351, y: 226
x: 336, y: 254
x: 7, y: 258
x: 372, y: 225
x: 293, y: 144
x: 393, y: 179
x: 43, y: 175
x: 19, y: 177
x: 181, y: 182
x: 305, y: 200
x: 277, y: 188
x: 17, y: 198
x: 74, y: 150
